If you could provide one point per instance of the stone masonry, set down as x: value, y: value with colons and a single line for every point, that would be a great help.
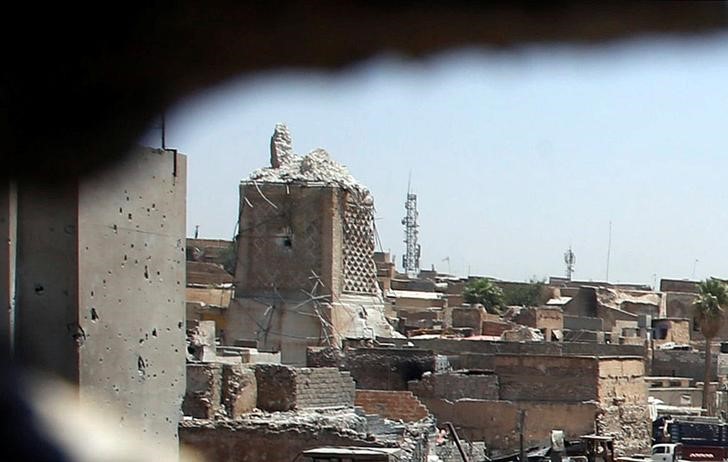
x: 239, y: 389
x: 203, y: 396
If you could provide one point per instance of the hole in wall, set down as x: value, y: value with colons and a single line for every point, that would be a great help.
x: 94, y: 315
x: 39, y: 289
x: 141, y: 366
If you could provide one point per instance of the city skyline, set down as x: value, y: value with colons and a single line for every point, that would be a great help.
x: 515, y: 156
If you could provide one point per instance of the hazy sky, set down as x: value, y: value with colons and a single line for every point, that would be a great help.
x: 514, y: 155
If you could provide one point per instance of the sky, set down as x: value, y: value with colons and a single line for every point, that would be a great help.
x: 514, y: 155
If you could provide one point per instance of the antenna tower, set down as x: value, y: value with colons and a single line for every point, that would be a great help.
x: 411, y: 258
x: 570, y: 260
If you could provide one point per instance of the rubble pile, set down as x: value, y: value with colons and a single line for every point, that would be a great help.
x: 315, y: 167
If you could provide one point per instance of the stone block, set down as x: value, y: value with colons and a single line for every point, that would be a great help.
x: 239, y: 390
x: 201, y: 340
x: 276, y: 386
x: 203, y: 396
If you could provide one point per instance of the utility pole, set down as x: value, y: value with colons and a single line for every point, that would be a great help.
x: 695, y: 264
x: 521, y: 429
x: 609, y: 249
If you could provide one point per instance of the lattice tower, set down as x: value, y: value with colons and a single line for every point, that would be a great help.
x: 411, y: 258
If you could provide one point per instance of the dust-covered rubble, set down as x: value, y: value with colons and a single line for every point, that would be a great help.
x: 314, y: 167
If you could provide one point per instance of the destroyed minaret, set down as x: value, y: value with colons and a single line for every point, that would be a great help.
x: 281, y: 147
x: 305, y: 271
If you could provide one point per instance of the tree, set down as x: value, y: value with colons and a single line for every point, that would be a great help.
x: 709, y: 314
x: 486, y: 293
x: 524, y: 294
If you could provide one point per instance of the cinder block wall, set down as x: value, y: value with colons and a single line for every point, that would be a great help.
x: 283, y: 388
x: 323, y: 387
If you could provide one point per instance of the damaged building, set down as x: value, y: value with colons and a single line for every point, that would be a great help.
x: 97, y: 289
x: 305, y: 272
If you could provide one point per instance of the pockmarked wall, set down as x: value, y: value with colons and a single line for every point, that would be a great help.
x: 101, y: 280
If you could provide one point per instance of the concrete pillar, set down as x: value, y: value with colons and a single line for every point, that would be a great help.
x: 101, y: 288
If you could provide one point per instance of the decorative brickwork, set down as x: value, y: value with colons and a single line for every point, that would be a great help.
x: 291, y: 230
x: 360, y: 271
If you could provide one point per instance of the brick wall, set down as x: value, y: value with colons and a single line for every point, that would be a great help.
x: 279, y: 246
x: 471, y: 316
x: 456, y: 385
x: 546, y: 378
x: 496, y: 422
x: 283, y: 388
x: 495, y: 328
x: 323, y: 387
x: 393, y: 405
x: 388, y: 368
x: 677, y: 285
x: 676, y: 363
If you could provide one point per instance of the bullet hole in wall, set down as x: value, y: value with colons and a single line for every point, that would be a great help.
x: 94, y: 315
x: 39, y: 289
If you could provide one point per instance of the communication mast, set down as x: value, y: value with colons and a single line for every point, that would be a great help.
x: 411, y: 258
x: 570, y: 260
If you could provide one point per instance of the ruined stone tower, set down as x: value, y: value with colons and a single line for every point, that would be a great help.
x: 305, y: 270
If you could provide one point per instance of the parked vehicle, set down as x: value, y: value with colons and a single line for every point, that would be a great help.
x: 674, y: 452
